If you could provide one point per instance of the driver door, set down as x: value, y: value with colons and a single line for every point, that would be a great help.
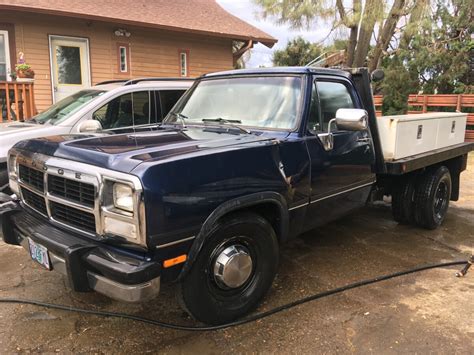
x: 341, y: 177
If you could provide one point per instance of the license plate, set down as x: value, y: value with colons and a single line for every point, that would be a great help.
x: 39, y: 254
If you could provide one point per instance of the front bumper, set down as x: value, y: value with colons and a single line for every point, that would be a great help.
x: 88, y: 264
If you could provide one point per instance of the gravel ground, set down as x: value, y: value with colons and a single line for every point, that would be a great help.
x: 426, y: 312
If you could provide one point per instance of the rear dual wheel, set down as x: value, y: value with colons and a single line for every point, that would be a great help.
x: 233, y: 271
x: 423, y: 200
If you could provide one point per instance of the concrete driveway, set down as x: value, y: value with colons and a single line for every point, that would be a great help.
x: 426, y: 312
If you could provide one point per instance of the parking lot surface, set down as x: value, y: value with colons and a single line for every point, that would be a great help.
x: 424, y: 312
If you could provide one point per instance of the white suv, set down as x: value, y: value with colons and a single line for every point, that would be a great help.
x: 109, y: 107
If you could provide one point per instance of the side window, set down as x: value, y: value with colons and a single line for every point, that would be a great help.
x: 125, y: 111
x: 332, y: 96
x: 314, y: 121
x: 168, y: 100
x: 141, y: 108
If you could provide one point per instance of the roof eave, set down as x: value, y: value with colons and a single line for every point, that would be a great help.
x: 267, y: 41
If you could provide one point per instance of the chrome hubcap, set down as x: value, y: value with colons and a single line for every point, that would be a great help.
x: 233, y: 266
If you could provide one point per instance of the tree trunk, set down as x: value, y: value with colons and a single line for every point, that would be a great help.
x: 369, y: 18
x: 386, y: 33
x: 354, y: 27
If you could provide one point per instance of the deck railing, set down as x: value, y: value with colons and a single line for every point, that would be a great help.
x: 17, y: 101
x: 425, y: 103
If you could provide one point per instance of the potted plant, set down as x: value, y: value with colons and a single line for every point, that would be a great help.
x: 24, y: 70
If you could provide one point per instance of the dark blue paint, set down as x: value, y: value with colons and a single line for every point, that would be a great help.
x: 187, y: 173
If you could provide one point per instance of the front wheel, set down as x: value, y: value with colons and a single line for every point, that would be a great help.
x: 432, y: 196
x: 233, y: 271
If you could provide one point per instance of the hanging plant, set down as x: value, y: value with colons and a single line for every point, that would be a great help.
x: 24, y: 70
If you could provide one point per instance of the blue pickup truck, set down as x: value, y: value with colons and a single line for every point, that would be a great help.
x: 244, y: 161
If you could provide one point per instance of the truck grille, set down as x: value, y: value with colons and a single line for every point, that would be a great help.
x: 72, y: 190
x: 32, y: 177
x: 73, y: 216
x: 34, y: 201
x: 60, y: 192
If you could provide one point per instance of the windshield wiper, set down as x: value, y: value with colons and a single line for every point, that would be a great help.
x: 228, y: 122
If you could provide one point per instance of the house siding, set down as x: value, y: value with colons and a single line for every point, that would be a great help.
x: 152, y: 52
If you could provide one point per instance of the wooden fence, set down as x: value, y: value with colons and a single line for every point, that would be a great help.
x: 425, y: 103
x: 17, y: 101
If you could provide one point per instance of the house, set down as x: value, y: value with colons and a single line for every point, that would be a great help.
x: 72, y: 45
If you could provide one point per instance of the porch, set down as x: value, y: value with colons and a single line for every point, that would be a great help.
x: 17, y: 101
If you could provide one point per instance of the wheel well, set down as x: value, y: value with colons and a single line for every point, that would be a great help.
x: 268, y: 210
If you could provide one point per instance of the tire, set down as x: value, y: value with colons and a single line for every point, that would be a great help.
x: 403, y: 194
x: 205, y: 296
x: 432, y: 196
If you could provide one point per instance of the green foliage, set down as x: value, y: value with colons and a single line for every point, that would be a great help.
x: 438, y: 55
x: 298, y: 52
x: 23, y: 67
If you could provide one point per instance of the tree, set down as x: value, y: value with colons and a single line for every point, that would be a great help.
x: 298, y: 52
x: 437, y: 52
x: 359, y: 20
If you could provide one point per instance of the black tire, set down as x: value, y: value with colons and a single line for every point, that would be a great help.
x: 403, y: 194
x: 432, y: 196
x: 210, y: 302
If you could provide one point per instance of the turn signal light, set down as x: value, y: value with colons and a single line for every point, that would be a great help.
x: 175, y: 261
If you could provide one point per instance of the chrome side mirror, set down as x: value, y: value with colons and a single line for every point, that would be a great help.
x: 89, y: 126
x: 351, y: 119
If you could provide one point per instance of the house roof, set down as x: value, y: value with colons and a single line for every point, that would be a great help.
x: 196, y: 16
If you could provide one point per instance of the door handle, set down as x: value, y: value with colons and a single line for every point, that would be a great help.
x: 363, y: 140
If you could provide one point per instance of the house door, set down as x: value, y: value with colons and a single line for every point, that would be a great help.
x: 70, y: 67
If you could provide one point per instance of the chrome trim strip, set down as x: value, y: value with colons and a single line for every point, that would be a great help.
x: 69, y: 203
x: 175, y: 242
x: 342, y: 192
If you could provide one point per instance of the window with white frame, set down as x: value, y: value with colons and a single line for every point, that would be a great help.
x: 123, y: 59
x: 183, y: 63
x: 4, y: 56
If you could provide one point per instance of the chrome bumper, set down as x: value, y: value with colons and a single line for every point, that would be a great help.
x: 120, y: 292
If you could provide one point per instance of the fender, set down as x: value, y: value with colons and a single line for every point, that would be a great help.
x: 232, y: 206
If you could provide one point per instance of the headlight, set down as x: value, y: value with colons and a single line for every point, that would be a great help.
x: 123, y: 197
x: 12, y: 164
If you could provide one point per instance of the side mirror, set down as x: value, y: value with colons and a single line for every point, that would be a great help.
x: 351, y: 119
x: 90, y: 126
x: 377, y: 75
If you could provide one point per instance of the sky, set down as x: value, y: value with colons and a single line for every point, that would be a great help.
x: 261, y: 55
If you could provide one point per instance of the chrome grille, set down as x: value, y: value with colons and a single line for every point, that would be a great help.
x: 72, y: 190
x: 73, y: 216
x: 66, y: 200
x: 32, y: 177
x: 34, y: 201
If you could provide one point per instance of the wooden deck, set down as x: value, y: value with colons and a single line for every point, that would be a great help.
x: 17, y: 101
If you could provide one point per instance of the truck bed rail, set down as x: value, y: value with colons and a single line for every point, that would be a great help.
x: 419, y: 161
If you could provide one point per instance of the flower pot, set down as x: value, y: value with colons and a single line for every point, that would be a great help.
x: 30, y: 74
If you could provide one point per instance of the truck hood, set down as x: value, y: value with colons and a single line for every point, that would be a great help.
x: 123, y: 152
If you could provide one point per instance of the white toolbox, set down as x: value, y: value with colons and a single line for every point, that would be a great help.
x: 406, y: 135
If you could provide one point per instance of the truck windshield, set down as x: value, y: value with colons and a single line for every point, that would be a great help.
x: 67, y: 106
x: 266, y: 102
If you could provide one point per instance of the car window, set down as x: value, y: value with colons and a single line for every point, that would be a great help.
x: 314, y: 121
x: 125, y: 111
x: 167, y: 99
x: 332, y: 96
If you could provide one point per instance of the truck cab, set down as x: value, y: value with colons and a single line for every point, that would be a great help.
x: 244, y: 161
